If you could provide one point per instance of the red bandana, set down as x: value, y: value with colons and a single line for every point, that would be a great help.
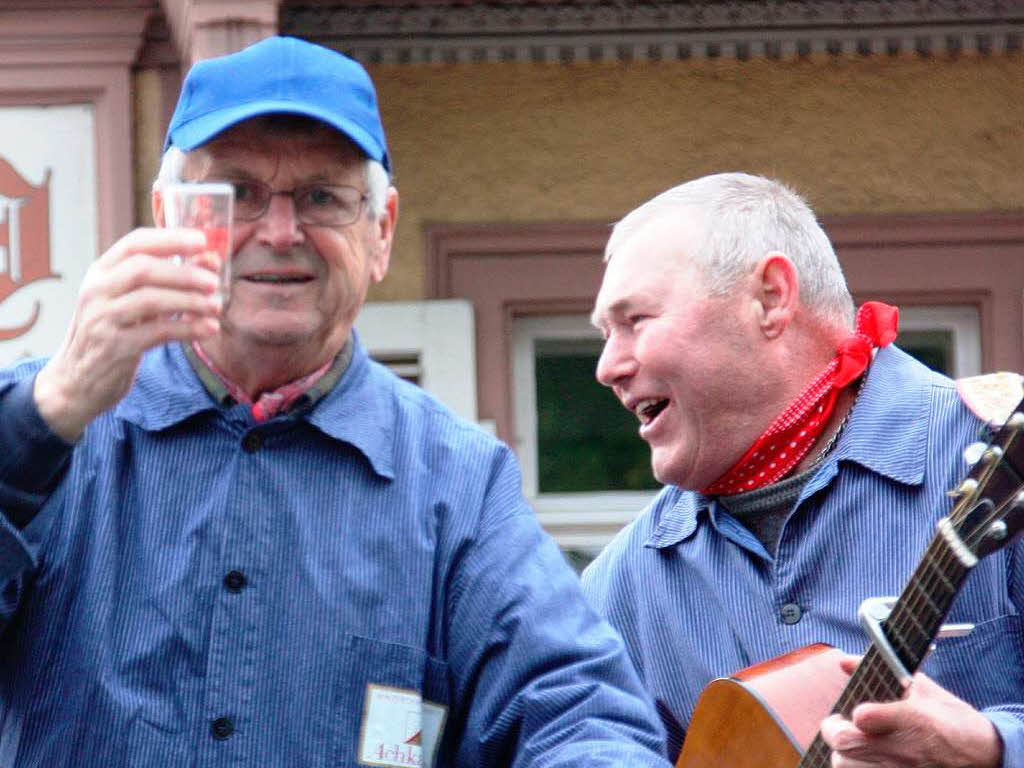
x: 793, y: 433
x: 269, y: 404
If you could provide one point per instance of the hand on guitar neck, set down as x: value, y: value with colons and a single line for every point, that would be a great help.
x: 929, y: 727
x: 886, y: 716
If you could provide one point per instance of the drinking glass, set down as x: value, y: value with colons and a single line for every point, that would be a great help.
x: 207, y: 206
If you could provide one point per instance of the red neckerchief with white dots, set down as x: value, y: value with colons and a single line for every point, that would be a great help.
x: 795, y: 431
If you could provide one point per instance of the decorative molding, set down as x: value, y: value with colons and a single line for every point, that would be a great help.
x: 205, y: 28
x: 451, y: 31
x: 55, y: 34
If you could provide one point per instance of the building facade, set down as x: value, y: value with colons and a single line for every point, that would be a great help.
x: 519, y: 132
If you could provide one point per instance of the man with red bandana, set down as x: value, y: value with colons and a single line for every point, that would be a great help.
x: 806, y: 460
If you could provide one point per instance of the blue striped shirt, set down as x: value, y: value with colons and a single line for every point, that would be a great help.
x: 356, y: 583
x: 697, y: 597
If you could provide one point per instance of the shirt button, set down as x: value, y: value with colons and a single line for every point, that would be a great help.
x: 222, y: 728
x: 252, y: 442
x: 791, y: 613
x: 235, y: 581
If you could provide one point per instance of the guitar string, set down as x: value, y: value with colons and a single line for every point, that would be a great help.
x: 869, y: 680
x: 947, y: 557
x: 872, y: 680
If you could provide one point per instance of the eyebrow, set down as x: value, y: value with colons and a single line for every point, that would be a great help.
x: 244, y: 174
x: 231, y: 172
x: 617, y: 307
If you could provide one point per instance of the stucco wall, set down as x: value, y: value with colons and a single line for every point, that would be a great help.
x: 526, y: 142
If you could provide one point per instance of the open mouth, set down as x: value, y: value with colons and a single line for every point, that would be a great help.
x: 277, y: 279
x: 648, y: 410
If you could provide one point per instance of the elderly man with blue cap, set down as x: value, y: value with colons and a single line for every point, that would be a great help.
x: 229, y: 538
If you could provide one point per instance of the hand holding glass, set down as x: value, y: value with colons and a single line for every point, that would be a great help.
x: 207, y: 206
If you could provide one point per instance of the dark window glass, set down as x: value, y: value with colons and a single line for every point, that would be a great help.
x: 933, y: 348
x: 586, y: 440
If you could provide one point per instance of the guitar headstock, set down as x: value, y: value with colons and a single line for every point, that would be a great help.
x: 989, y: 512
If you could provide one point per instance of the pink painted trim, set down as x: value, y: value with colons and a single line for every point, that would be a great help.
x: 203, y: 29
x: 107, y: 90
x: 82, y: 57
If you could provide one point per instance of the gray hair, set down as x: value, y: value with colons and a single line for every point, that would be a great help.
x: 172, y: 170
x: 744, y: 218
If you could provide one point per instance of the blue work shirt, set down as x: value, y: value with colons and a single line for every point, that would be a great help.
x: 696, y: 596
x: 356, y: 583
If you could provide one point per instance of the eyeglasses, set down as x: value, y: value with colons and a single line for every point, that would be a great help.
x: 325, y: 205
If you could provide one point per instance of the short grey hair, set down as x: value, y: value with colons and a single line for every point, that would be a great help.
x: 745, y: 217
x: 172, y: 170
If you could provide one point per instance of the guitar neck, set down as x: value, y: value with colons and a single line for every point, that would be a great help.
x: 911, y: 627
x: 989, y: 513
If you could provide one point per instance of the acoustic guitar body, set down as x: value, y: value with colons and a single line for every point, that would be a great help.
x: 765, y: 716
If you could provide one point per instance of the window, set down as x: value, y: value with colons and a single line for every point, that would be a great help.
x: 585, y: 468
x: 945, y: 338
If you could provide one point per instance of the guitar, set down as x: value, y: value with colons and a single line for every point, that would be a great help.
x: 765, y: 717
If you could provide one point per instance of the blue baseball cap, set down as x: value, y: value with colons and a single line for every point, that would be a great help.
x: 279, y: 74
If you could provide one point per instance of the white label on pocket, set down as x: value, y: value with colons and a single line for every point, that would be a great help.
x: 399, y: 728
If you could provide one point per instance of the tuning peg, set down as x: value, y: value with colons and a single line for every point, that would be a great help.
x: 974, y: 452
x: 966, y: 488
x: 997, y: 531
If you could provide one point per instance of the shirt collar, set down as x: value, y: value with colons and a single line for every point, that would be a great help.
x: 220, y: 393
x: 887, y: 434
x: 361, y: 410
x: 888, y: 429
x: 358, y: 409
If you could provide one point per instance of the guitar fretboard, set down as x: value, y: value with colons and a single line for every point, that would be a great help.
x: 911, y: 627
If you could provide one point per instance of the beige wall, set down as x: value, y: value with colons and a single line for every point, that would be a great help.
x: 548, y: 142
x: 536, y: 142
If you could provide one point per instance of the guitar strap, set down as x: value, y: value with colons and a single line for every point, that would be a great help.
x: 795, y: 431
x: 993, y: 396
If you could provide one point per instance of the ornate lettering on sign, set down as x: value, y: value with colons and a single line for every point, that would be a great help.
x: 24, y: 239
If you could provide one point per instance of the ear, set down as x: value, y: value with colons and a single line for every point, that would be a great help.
x: 777, y: 293
x: 384, y: 235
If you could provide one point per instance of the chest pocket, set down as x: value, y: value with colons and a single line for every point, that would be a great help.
x: 392, y: 705
x: 986, y: 667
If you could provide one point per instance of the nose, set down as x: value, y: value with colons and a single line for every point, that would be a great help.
x: 616, y: 361
x: 279, y: 227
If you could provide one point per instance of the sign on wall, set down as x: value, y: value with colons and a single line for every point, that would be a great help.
x: 48, y: 223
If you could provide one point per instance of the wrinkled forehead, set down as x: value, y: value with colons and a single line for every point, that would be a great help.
x: 263, y: 145
x: 656, y: 251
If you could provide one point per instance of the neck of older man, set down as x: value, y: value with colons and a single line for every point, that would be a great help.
x: 257, y: 369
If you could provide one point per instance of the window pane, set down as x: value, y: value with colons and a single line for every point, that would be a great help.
x: 586, y: 440
x: 946, y: 338
x: 933, y: 348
